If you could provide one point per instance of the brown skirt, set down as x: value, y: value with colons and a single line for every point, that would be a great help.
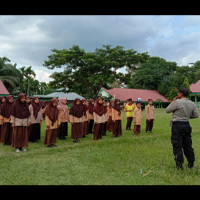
x: 98, y: 129
x: 117, y: 128
x: 6, y: 133
x: 20, y: 137
x: 110, y: 124
x: 50, y: 136
x: 76, y: 130
x: 85, y: 128
x: 34, y: 132
x: 63, y: 130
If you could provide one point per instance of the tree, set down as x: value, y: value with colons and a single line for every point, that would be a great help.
x: 86, y: 72
x: 186, y: 84
x: 9, y: 74
x: 152, y: 73
x: 28, y: 82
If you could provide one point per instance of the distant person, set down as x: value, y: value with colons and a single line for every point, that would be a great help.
x: 63, y: 114
x: 105, y: 114
x: 150, y: 116
x: 137, y: 115
x: 76, y: 119
x: 98, y: 119
x: 20, y: 119
x: 35, y: 109
x: 52, y: 123
x: 117, y: 118
x: 2, y: 100
x: 129, y: 107
x: 183, y: 109
x: 90, y: 115
x: 110, y: 122
x: 6, y: 130
x: 85, y: 117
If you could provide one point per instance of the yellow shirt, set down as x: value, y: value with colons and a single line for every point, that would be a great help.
x: 129, y: 113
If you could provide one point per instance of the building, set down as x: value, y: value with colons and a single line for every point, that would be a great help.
x: 71, y: 96
x: 195, y: 93
x: 124, y: 93
x: 3, y: 90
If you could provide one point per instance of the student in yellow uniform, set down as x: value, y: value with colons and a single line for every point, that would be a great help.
x: 129, y: 108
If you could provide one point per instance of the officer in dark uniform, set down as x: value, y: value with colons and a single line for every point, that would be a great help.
x: 183, y: 109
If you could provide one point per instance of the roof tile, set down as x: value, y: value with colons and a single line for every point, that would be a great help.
x: 123, y: 94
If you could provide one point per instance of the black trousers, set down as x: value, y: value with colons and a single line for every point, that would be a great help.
x: 182, y: 142
x: 149, y: 125
x: 128, y: 123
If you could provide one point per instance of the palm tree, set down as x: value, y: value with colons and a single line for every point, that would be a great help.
x: 28, y: 80
x: 9, y: 74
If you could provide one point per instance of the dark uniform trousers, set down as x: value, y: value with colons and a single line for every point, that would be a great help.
x: 181, y: 141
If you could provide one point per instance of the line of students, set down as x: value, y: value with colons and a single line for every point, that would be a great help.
x: 134, y: 111
x: 20, y: 121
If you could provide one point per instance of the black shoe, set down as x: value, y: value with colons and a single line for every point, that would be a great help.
x: 191, y: 164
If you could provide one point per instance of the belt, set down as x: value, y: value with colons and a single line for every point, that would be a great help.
x: 180, y: 122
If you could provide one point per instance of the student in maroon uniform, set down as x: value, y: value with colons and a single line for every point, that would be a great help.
x: 6, y: 131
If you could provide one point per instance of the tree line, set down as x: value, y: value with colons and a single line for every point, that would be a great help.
x: 20, y: 80
x: 86, y: 72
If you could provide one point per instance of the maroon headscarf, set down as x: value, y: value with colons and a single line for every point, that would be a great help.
x: 1, y: 103
x: 27, y: 97
x: 52, y: 111
x: 91, y: 106
x: 20, y: 110
x: 117, y: 106
x: 36, y: 107
x: 85, y: 107
x: 6, y: 107
x: 99, y: 109
x: 76, y: 110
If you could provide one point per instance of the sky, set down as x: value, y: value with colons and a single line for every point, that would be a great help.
x: 28, y: 39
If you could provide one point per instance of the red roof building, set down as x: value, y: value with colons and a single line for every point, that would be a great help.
x: 3, y: 90
x: 124, y: 93
x: 195, y: 87
x: 195, y: 93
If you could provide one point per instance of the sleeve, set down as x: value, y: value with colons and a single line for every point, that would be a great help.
x: 47, y: 121
x: 134, y: 113
x: 195, y: 113
x: 1, y: 119
x: 125, y: 109
x: 95, y: 117
x: 40, y: 114
x: 113, y: 114
x: 67, y: 111
x: 12, y: 119
x: 172, y: 107
x: 71, y: 118
x: 147, y: 113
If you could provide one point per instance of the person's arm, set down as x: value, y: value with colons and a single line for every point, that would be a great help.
x: 172, y: 107
x: 195, y: 113
x: 147, y: 113
x: 113, y: 115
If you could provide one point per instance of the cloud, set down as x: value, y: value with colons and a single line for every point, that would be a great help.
x: 43, y: 76
x: 28, y: 40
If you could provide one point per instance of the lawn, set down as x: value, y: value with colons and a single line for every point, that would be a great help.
x: 145, y: 159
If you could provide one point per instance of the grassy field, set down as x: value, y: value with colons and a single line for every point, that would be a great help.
x: 145, y: 159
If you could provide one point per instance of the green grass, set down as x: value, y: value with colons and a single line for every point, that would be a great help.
x: 145, y: 159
